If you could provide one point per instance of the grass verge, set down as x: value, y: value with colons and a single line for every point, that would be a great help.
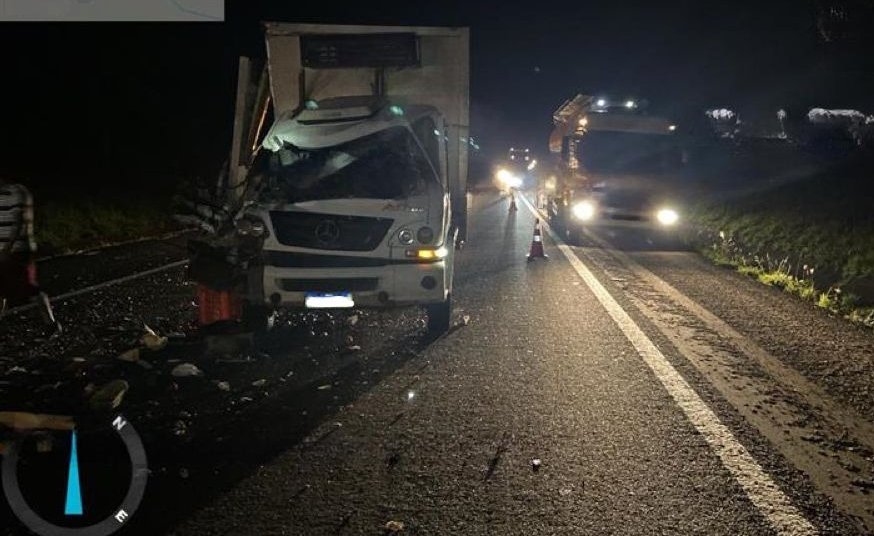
x: 66, y: 225
x: 812, y: 238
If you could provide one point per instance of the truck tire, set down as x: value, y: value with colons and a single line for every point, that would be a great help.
x: 439, y: 316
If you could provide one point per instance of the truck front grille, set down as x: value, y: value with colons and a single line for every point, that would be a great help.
x: 356, y: 284
x: 329, y: 231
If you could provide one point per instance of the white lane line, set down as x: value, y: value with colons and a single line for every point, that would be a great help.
x: 772, y: 503
x: 99, y: 286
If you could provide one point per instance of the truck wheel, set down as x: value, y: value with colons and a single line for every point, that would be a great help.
x: 439, y: 316
x: 258, y: 318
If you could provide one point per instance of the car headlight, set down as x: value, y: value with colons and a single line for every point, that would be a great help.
x: 584, y: 210
x: 667, y: 216
x: 425, y: 235
x: 509, y: 179
x: 405, y: 237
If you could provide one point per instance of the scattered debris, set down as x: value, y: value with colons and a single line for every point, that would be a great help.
x: 223, y: 386
x: 131, y: 356
x: 465, y: 320
x: 152, y: 340
x: 352, y: 320
x: 183, y: 472
x: 394, y: 527
x: 48, y: 387
x: 109, y: 396
x: 535, y: 464
x: 863, y: 483
x: 180, y: 428
x: 20, y: 420
x: 259, y: 383
x: 325, y: 387
x: 353, y: 348
x: 184, y: 370
x: 17, y: 370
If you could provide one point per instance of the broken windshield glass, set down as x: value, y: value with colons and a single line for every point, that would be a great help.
x: 386, y: 165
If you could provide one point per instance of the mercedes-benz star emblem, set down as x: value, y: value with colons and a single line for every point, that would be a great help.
x: 327, y: 232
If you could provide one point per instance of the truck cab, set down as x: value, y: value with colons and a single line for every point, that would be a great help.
x: 357, y: 192
x: 622, y: 168
x: 354, y: 206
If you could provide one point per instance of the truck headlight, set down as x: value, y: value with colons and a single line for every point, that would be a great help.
x: 584, y: 210
x: 667, y: 216
x: 405, y: 237
x: 425, y: 235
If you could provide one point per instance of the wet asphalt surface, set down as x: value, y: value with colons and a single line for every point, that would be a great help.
x: 340, y: 424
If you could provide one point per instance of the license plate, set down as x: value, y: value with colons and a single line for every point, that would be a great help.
x: 328, y: 300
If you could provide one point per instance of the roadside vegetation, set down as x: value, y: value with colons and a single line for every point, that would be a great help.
x: 72, y: 223
x: 813, y: 238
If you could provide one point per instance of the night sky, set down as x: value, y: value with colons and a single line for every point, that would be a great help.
x: 108, y: 104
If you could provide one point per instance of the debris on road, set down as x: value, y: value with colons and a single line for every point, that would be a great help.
x: 535, y: 464
x: 185, y: 370
x: 394, y: 527
x: 352, y: 320
x: 863, y: 483
x: 259, y: 383
x: 109, y: 396
x: 152, y: 340
x: 20, y: 420
x: 131, y: 356
x: 180, y: 428
x: 223, y: 386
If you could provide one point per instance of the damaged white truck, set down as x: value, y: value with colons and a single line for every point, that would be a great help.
x: 356, y: 195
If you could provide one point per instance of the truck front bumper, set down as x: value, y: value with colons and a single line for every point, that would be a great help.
x: 380, y: 286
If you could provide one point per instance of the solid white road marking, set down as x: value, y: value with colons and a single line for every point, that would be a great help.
x: 772, y: 503
x: 99, y: 286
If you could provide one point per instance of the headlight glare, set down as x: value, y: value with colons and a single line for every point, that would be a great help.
x: 667, y: 216
x: 584, y: 210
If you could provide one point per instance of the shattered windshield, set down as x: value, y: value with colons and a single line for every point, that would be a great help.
x: 628, y: 152
x: 386, y: 165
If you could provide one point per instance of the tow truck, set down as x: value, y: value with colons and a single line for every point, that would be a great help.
x: 617, y: 167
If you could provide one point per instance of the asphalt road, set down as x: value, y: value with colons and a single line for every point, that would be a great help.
x: 616, y: 388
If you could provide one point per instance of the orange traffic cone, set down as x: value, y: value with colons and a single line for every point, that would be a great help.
x: 537, y: 244
x: 513, y: 203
